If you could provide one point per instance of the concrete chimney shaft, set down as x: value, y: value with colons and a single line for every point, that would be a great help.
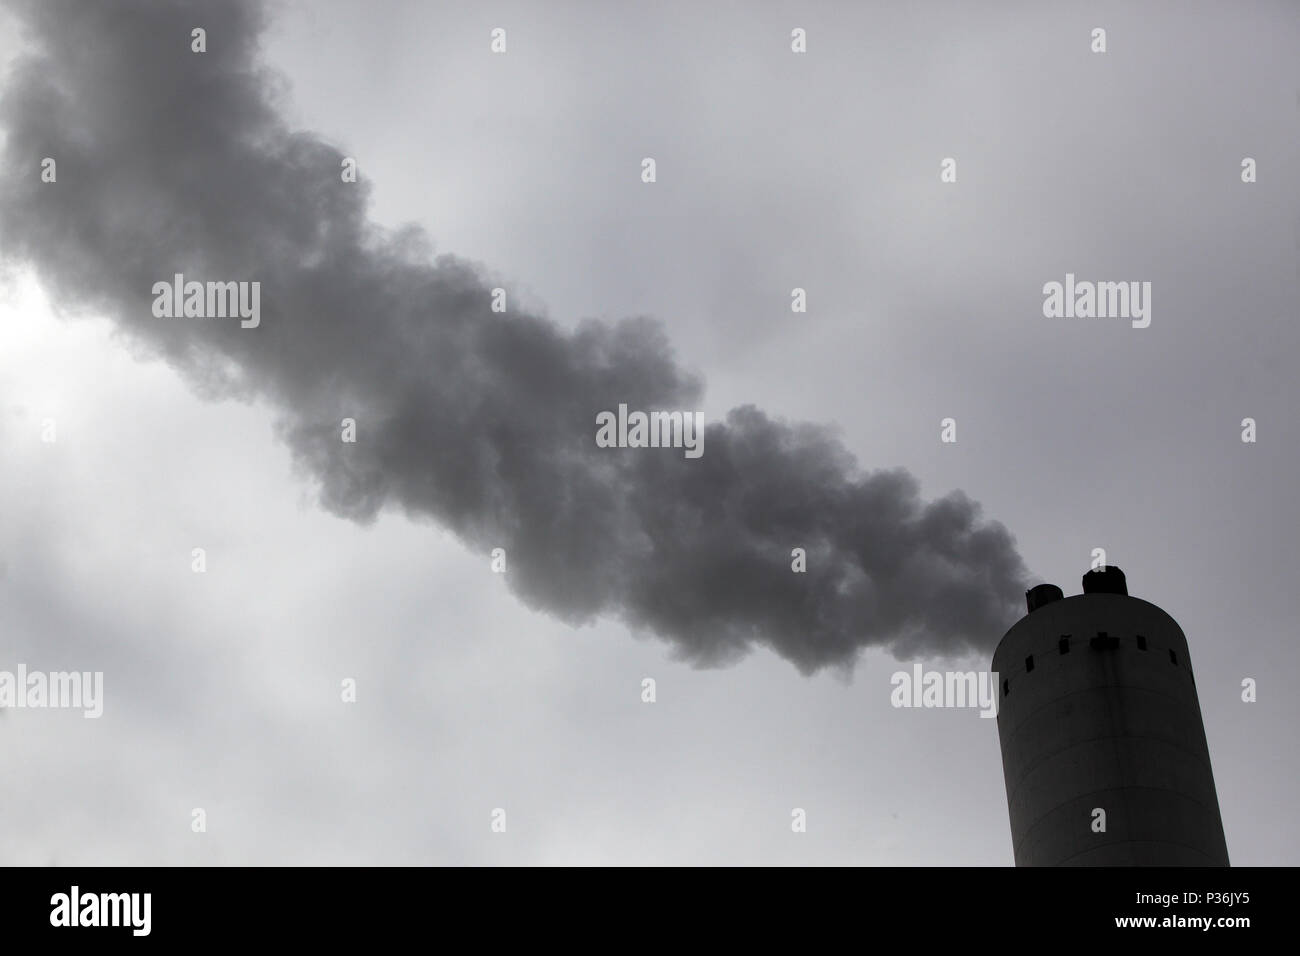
x: 1103, y: 746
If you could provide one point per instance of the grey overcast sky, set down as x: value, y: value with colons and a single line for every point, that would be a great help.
x: 775, y: 170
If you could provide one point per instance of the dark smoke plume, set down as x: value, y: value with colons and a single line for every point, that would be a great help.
x: 171, y: 161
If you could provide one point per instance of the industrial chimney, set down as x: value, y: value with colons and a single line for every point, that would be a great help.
x: 1103, y: 747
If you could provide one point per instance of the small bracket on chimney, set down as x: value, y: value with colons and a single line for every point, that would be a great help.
x: 1104, y: 642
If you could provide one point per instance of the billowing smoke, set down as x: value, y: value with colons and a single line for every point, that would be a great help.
x: 173, y: 162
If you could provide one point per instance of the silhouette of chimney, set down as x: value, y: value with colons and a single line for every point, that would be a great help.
x: 1103, y: 745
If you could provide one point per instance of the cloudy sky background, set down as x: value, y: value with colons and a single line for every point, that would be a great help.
x: 775, y: 171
